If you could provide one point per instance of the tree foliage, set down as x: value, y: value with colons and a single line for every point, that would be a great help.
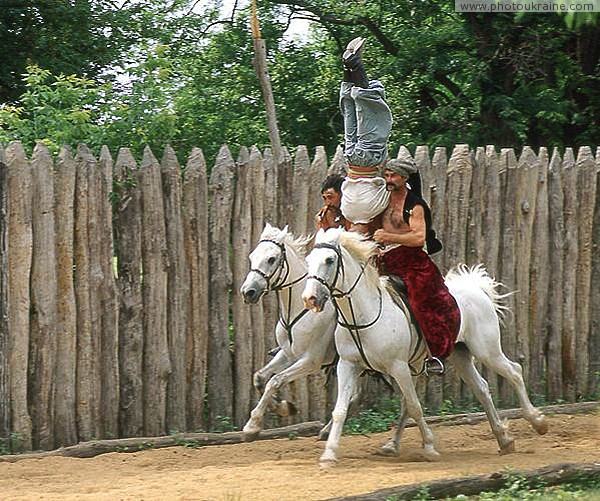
x: 186, y: 77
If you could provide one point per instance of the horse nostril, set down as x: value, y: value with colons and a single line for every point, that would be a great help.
x: 250, y: 293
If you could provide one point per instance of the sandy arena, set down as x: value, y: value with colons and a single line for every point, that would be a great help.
x: 288, y: 469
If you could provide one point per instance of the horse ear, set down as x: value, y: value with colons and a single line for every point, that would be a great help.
x: 285, y: 231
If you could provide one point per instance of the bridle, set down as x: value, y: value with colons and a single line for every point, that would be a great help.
x: 337, y: 294
x: 280, y: 284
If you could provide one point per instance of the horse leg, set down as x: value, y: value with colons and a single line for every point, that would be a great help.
x: 392, y: 447
x: 513, y: 373
x: 401, y: 373
x: 347, y: 374
x: 300, y: 368
x: 277, y: 364
x: 324, y: 433
x: 462, y: 361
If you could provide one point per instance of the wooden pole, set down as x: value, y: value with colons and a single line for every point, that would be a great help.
x: 260, y: 64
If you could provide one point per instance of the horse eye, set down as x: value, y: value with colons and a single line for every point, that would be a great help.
x: 271, y: 260
x: 329, y: 261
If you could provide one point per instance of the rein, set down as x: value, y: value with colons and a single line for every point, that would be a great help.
x: 279, y: 285
x: 336, y: 294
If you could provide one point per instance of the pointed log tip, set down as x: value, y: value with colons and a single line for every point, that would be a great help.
x: 255, y: 154
x: 569, y: 158
x: 40, y: 150
x: 125, y: 158
x: 528, y: 156
x: 65, y: 154
x: 196, y: 159
x: 585, y: 156
x: 148, y: 157
x: 243, y: 156
x: 15, y: 150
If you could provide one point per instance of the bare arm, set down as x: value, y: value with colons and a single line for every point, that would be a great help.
x: 415, y: 237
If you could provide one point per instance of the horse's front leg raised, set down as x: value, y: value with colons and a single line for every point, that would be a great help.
x: 347, y: 374
x: 401, y: 373
x: 279, y: 362
x: 302, y: 367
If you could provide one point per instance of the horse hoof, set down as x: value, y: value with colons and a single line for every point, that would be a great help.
x: 323, y: 435
x: 508, y: 448
x: 431, y: 455
x: 327, y: 464
x: 540, y: 425
x: 250, y: 435
x: 388, y: 449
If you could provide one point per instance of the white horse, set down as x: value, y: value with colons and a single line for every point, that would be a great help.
x: 379, y: 336
x: 305, y: 338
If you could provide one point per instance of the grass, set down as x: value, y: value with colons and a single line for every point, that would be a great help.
x: 519, y: 488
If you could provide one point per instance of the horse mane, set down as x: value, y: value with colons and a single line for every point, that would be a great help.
x: 298, y: 244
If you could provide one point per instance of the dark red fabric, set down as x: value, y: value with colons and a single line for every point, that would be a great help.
x: 434, y: 307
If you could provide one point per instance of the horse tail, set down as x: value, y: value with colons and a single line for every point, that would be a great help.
x: 463, y: 276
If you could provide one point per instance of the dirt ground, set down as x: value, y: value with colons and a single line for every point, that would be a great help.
x: 288, y: 469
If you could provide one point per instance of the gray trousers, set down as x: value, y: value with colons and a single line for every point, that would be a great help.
x: 367, y: 123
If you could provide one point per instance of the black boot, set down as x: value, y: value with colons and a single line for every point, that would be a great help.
x: 353, y: 64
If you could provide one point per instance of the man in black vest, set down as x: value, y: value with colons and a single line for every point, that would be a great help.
x: 409, y: 240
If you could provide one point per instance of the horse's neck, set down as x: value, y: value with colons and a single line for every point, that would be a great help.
x: 365, y: 295
x: 291, y: 297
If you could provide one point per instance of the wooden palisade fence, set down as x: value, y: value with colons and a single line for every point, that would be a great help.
x: 120, y: 314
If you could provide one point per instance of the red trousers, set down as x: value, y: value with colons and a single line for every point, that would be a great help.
x: 434, y: 307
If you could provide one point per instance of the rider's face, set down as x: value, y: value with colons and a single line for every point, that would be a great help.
x: 332, y: 197
x: 393, y: 180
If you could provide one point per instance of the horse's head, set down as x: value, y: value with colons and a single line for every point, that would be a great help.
x: 267, y: 262
x: 324, y: 268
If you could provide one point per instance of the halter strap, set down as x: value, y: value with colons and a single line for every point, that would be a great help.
x: 337, y: 294
x: 279, y: 284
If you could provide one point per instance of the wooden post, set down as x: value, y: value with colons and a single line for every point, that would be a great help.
x: 262, y: 70
x: 20, y: 247
x: 594, y: 351
x: 95, y: 277
x: 316, y: 174
x: 177, y: 292
x: 555, y: 299
x: 128, y: 230
x: 300, y: 191
x: 257, y: 193
x: 476, y: 207
x: 65, y: 429
x: 338, y: 164
x: 195, y: 220
x: 524, y: 213
x: 87, y: 400
x: 437, y: 189
x: 270, y: 206
x: 109, y: 364
x: 458, y: 183
x: 508, y: 244
x: 42, y: 355
x: 571, y: 219
x: 586, y: 201
x: 220, y: 392
x: 4, y: 354
x: 426, y: 170
x: 316, y: 382
x: 157, y: 365
x: 539, y: 281
x: 242, y: 242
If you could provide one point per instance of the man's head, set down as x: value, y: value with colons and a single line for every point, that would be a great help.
x: 331, y: 190
x: 397, y: 172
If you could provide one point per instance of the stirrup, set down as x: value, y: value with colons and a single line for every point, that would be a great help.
x: 433, y: 365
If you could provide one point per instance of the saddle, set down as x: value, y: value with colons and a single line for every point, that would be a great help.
x: 431, y: 365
